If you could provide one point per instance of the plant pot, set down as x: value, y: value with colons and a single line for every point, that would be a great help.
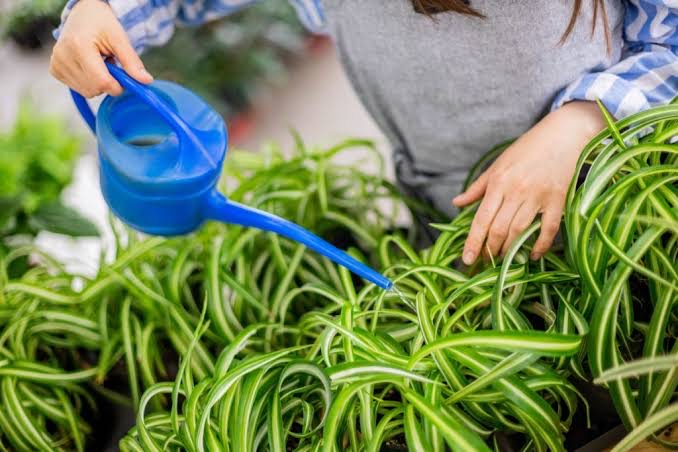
x: 610, y: 439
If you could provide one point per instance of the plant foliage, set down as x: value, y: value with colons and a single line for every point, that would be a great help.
x: 235, y: 339
x: 36, y: 163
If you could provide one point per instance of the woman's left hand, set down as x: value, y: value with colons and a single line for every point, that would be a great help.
x: 531, y: 177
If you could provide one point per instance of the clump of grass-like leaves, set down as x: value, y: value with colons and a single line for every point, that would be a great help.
x: 235, y: 339
x: 622, y: 233
x: 371, y: 367
x: 432, y: 365
x: 64, y: 337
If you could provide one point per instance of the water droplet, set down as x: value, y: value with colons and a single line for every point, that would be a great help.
x: 394, y: 289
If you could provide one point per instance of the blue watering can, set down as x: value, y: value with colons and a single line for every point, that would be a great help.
x: 161, y: 150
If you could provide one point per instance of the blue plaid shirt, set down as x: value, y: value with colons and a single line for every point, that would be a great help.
x: 646, y: 76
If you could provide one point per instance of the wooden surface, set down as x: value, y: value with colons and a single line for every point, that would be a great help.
x: 670, y: 434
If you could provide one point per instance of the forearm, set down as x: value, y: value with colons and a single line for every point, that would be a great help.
x: 584, y: 116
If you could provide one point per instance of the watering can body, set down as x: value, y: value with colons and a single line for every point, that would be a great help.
x: 161, y: 149
x: 148, y: 176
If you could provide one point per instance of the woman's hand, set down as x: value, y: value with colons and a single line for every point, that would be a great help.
x: 90, y: 32
x: 531, y: 177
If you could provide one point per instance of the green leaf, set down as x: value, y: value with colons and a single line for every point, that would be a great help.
x: 638, y: 367
x: 458, y: 437
x: 57, y: 218
x: 652, y: 424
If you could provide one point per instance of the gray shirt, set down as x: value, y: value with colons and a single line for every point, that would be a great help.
x: 445, y: 91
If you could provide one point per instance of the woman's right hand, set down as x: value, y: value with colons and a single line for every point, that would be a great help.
x: 90, y: 33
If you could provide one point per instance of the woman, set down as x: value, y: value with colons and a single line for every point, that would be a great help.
x: 445, y: 80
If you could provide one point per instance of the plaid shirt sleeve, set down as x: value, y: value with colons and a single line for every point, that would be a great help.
x: 648, y: 73
x: 152, y: 22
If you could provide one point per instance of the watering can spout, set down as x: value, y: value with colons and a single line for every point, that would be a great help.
x: 221, y: 209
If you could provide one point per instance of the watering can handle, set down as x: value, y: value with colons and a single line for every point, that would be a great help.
x: 147, y: 95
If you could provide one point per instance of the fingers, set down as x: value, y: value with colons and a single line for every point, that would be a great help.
x: 91, y: 33
x: 500, y: 225
x: 500, y: 220
x: 61, y: 72
x: 474, y: 192
x: 521, y: 221
x: 550, y: 223
x: 98, y: 79
x: 61, y: 67
x: 479, y: 227
x: 130, y: 61
x: 82, y: 68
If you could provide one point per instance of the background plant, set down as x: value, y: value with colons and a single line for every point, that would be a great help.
x: 37, y: 158
x: 226, y: 60
x: 29, y: 23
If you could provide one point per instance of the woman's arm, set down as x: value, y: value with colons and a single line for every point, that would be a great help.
x: 648, y: 74
x: 532, y: 176
x: 124, y: 28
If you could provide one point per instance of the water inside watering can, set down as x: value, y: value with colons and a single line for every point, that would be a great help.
x: 136, y: 124
x: 146, y: 141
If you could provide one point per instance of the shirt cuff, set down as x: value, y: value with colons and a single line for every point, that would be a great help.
x: 621, y: 97
x: 125, y: 11
x: 64, y: 14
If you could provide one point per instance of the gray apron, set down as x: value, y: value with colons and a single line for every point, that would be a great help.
x: 446, y: 91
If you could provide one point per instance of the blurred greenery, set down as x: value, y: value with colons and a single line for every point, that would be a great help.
x: 225, y: 60
x: 37, y: 157
x: 30, y: 22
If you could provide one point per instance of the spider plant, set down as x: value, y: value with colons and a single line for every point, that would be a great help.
x: 628, y: 264
x: 64, y: 337
x: 235, y: 339
x: 371, y: 367
x: 426, y: 366
x: 454, y: 357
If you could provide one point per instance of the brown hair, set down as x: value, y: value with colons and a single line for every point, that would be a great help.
x: 431, y: 7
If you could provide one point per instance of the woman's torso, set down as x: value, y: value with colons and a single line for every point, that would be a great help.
x: 445, y: 91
